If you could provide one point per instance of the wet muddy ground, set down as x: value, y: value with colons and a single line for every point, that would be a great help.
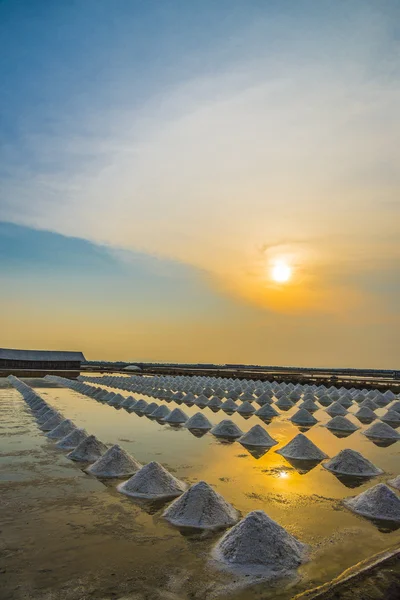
x: 67, y: 535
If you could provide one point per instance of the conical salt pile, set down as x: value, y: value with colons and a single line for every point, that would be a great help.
x: 72, y: 440
x: 396, y: 406
x: 45, y: 414
x: 176, y: 417
x: 201, y: 507
x: 266, y: 412
x: 152, y: 482
x: 301, y: 448
x: 161, y: 412
x: 325, y: 400
x: 336, y: 409
x: 341, y: 424
x: 352, y: 463
x: 52, y: 422
x: 201, y: 401
x: 229, y: 406
x: 264, y: 398
x: 284, y: 403
x: 257, y: 436
x: 303, y: 417
x: 227, y: 429
x: 116, y: 462
x: 128, y: 402
x: 246, y: 408
x: 140, y: 406
x: 257, y: 545
x: 198, y: 421
x: 379, y: 502
x: 309, y: 405
x: 89, y: 450
x: 369, y: 404
x: 381, y: 431
x: 215, y: 402
x: 365, y: 415
x: 392, y: 417
x: 63, y: 429
x: 150, y: 408
x: 395, y: 483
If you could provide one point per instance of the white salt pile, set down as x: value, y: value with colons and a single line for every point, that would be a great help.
x: 229, y: 406
x: 336, y: 409
x: 176, y: 417
x: 303, y: 417
x: 152, y: 482
x: 129, y: 402
x: 264, y: 398
x: 89, y: 450
x: 365, y: 414
x: 284, y: 403
x: 150, y: 408
x: 257, y: 436
x: 266, y: 412
x: 140, y: 406
x: 341, y: 424
x: 246, y: 408
x: 72, y: 440
x: 395, y: 406
x: 227, y: 429
x: 52, y: 422
x: 325, y: 400
x: 369, y: 404
x: 395, y: 483
x: 215, y: 402
x: 381, y: 431
x: 116, y: 462
x: 44, y: 415
x: 352, y: 463
x: 345, y: 401
x: 301, y: 448
x: 392, y: 417
x: 63, y: 429
x: 198, y: 421
x: 161, y: 412
x: 201, y: 507
x: 257, y: 545
x: 379, y: 502
x: 309, y: 405
x: 201, y: 401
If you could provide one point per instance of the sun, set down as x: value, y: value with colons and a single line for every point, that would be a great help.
x: 281, y: 272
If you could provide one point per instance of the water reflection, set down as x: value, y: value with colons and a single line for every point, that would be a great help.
x: 351, y: 481
x: 302, y: 466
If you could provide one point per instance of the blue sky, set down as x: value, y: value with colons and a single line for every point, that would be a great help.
x: 168, y: 153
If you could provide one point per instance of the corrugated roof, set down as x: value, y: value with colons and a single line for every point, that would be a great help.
x: 40, y: 355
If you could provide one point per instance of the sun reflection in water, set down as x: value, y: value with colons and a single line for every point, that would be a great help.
x: 283, y: 474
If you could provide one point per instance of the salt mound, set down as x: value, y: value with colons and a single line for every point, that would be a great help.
x: 395, y: 406
x: 345, y: 401
x: 392, y: 417
x: 176, y: 417
x: 257, y: 545
x: 116, y: 462
x: 227, y: 429
x: 229, y: 405
x: 128, y: 402
x: 341, y: 424
x: 267, y: 412
x: 140, y: 406
x: 381, y: 431
x: 246, y: 409
x: 301, y: 448
x: 309, y: 405
x: 201, y: 401
x: 161, y: 412
x: 72, y: 440
x: 325, y: 400
x: 52, y: 422
x: 284, y: 403
x: 257, y: 436
x: 63, y: 429
x: 152, y: 482
x: 395, y: 483
x: 214, y: 402
x: 379, y: 502
x: 198, y: 421
x: 349, y: 462
x: 336, y: 409
x: 369, y: 404
x: 44, y: 416
x: 150, y: 408
x: 89, y: 450
x: 201, y: 507
x: 303, y: 417
x: 264, y: 398
x: 365, y: 414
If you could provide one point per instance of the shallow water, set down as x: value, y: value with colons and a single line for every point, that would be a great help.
x: 65, y: 531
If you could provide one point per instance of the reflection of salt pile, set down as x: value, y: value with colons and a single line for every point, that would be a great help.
x: 266, y: 412
x: 176, y: 417
x: 379, y: 502
x: 201, y: 507
x: 257, y: 545
x: 303, y: 417
x: 341, y: 424
x: 63, y: 429
x: 116, y: 462
x: 257, y: 436
x: 52, y: 422
x: 301, y: 448
x: 395, y: 483
x: 72, y: 440
x: 89, y: 450
x: 349, y: 462
x: 227, y: 429
x: 198, y: 421
x: 152, y: 482
x: 381, y: 431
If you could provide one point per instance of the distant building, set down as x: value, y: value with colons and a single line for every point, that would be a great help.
x: 40, y: 360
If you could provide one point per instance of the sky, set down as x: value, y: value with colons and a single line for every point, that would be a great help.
x: 158, y: 158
